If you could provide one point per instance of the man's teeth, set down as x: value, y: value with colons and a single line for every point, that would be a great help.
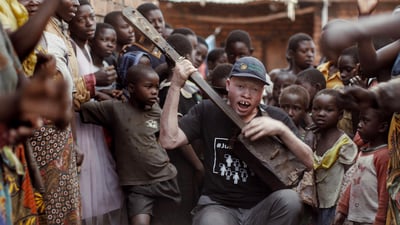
x: 244, y: 103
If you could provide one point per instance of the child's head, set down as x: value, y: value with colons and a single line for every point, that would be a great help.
x: 123, y: 29
x: 312, y: 80
x: 104, y: 41
x: 189, y: 33
x: 295, y: 100
x: 83, y: 25
x: 348, y: 64
x: 215, y: 57
x: 191, y: 36
x: 374, y: 123
x: 326, y: 109
x: 282, y: 79
x: 217, y: 78
x: 143, y: 85
x: 201, y: 52
x: 301, y: 51
x: 153, y: 14
x: 237, y: 45
x: 182, y: 45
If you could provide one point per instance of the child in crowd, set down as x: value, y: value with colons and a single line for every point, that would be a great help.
x: 334, y: 153
x: 98, y: 168
x: 192, y: 37
x: 367, y: 187
x: 280, y: 81
x: 200, y: 56
x: 313, y: 81
x: 348, y: 65
x: 349, y: 69
x: 103, y: 44
x: 295, y: 100
x: 215, y: 57
x: 124, y: 31
x: 155, y: 17
x: 237, y: 45
x: 300, y: 54
x: 217, y: 78
x: 143, y: 167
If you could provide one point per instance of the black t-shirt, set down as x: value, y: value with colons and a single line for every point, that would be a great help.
x: 228, y: 180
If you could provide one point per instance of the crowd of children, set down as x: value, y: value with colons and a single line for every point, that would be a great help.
x: 102, y: 128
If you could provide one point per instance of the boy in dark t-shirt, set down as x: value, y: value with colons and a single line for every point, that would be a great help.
x: 143, y: 166
x: 232, y: 194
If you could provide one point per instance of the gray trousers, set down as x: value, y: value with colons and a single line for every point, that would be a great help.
x: 282, y: 207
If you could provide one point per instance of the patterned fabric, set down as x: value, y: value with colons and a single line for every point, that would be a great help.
x: 12, y: 176
x: 22, y: 192
x: 393, y: 182
x: 53, y: 151
x: 5, y: 202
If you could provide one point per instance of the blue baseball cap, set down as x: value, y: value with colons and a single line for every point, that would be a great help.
x: 249, y: 67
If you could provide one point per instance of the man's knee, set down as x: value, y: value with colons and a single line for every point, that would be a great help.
x: 214, y: 214
x: 290, y: 200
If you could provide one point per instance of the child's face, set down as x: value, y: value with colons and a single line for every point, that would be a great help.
x: 104, y: 42
x: 156, y: 18
x: 281, y: 81
x: 369, y: 125
x: 237, y: 50
x: 293, y: 105
x: 201, y: 55
x: 145, y: 90
x: 125, y: 33
x: 212, y: 64
x: 347, y: 67
x: 325, y: 112
x: 303, y: 57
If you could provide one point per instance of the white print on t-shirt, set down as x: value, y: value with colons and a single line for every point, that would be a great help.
x: 225, y: 165
x: 152, y: 124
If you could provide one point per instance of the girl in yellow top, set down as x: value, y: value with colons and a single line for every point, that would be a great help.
x: 334, y: 153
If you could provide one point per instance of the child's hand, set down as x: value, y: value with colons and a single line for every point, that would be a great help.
x: 105, y: 76
x: 358, y: 81
x: 365, y: 7
x: 118, y: 94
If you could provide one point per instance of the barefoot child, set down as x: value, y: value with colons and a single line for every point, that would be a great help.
x: 334, y: 153
x: 143, y: 167
x: 368, y: 183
